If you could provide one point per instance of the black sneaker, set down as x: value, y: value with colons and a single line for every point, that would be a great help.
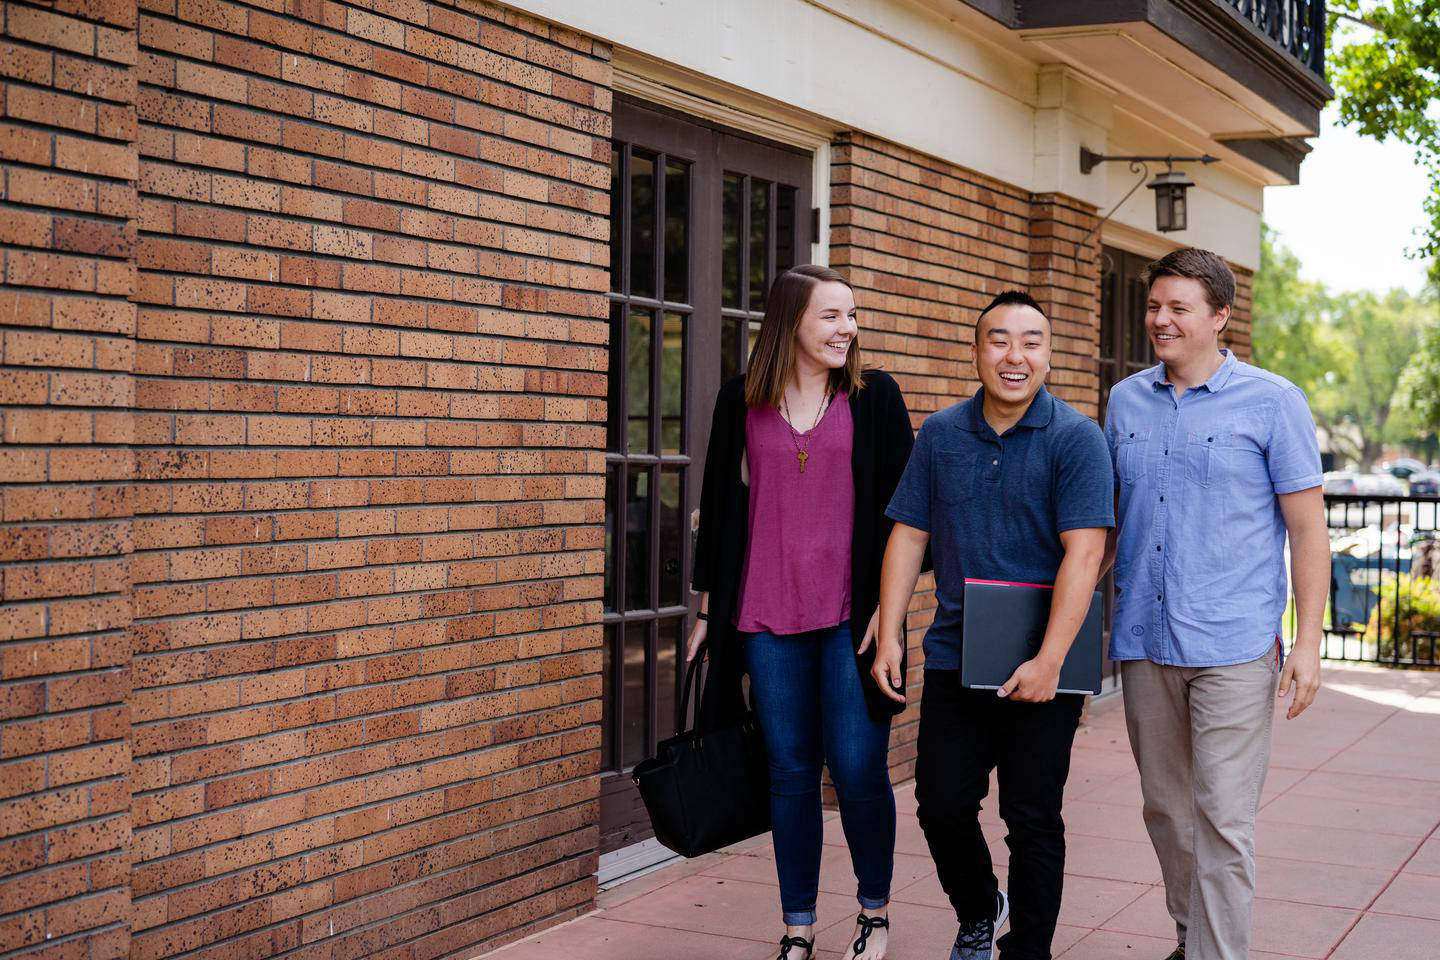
x: 976, y: 941
x: 1179, y: 953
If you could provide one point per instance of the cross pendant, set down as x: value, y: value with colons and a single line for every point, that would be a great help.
x: 802, y: 456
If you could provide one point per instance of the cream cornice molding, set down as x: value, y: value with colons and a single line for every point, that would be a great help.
x: 647, y: 78
x: 1139, y: 242
x: 685, y: 91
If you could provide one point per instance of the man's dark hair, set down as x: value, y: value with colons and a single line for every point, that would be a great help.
x: 1196, y: 264
x: 1010, y: 298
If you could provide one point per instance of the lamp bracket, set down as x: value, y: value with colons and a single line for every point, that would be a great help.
x: 1137, y: 165
x: 1089, y: 159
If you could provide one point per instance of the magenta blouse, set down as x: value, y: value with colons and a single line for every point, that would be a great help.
x: 797, y: 566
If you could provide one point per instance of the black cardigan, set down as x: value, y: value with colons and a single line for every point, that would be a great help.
x: 882, y: 441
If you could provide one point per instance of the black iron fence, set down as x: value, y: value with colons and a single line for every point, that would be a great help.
x: 1296, y: 25
x: 1384, y: 580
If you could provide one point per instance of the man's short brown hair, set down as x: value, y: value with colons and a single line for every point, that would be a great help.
x: 1192, y: 262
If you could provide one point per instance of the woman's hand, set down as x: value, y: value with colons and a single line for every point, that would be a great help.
x: 697, y: 639
x: 870, y: 632
x: 886, y: 669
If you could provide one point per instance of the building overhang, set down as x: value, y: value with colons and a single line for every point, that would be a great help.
x: 1199, y: 61
x: 1281, y: 156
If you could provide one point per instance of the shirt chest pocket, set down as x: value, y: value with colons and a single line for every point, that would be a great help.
x: 1206, y: 455
x: 1130, y: 449
x: 954, y: 477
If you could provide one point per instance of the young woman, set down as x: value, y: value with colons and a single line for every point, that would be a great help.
x: 805, y: 450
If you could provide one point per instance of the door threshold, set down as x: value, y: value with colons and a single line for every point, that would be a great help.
x: 633, y: 861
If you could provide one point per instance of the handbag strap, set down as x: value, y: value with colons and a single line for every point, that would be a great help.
x: 690, y: 673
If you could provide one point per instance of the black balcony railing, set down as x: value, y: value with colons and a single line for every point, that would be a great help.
x: 1296, y: 25
x: 1384, y: 580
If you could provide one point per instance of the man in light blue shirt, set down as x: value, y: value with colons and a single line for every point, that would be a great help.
x: 1217, y: 461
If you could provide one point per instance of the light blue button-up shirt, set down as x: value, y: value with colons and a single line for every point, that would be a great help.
x: 1200, y: 558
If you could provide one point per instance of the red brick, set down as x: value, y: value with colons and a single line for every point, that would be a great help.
x: 50, y: 30
x: 233, y: 407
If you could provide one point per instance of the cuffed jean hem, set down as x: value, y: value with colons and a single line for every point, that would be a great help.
x: 806, y: 918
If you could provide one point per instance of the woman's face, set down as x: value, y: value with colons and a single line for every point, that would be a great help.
x: 826, y: 329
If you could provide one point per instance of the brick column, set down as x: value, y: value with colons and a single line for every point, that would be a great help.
x: 1236, y: 335
x: 927, y: 245
x: 67, y: 227
x: 1065, y: 279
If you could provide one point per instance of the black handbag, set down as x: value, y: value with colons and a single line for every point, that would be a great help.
x: 706, y: 790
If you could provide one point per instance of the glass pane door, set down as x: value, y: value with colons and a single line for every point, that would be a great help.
x: 1124, y: 349
x: 701, y: 221
x: 760, y: 230
x: 648, y: 454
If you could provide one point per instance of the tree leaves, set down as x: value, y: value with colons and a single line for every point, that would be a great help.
x: 1384, y: 62
x: 1352, y: 353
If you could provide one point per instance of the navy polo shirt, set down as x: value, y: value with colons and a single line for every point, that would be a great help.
x: 995, y: 505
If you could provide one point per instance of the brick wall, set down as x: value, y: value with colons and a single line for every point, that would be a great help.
x: 927, y: 245
x: 1065, y: 279
x: 370, y: 395
x: 1236, y: 335
x: 304, y: 336
x: 357, y: 419
x: 67, y: 232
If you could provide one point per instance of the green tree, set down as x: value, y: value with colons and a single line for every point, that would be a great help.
x: 1384, y: 63
x: 1288, y: 333
x: 1373, y: 338
x: 1420, y: 386
x: 1347, y: 351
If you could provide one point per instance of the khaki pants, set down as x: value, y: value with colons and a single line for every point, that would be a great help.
x: 1201, y: 737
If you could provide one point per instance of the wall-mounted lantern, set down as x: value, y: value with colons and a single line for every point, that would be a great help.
x: 1171, y: 211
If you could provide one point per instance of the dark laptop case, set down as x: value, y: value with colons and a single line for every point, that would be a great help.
x: 1004, y: 625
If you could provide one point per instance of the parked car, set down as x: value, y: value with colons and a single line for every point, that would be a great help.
x: 1403, y: 467
x: 1340, y: 481
x: 1425, y: 484
x: 1380, y: 485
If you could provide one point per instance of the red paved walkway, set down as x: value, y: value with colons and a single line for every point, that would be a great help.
x: 1349, y: 856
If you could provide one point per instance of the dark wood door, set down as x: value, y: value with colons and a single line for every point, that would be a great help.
x: 1124, y: 349
x: 1124, y: 344
x: 702, y: 219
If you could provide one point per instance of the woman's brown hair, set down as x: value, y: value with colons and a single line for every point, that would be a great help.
x: 773, y: 360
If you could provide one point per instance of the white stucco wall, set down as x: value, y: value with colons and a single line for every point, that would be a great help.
x: 941, y: 80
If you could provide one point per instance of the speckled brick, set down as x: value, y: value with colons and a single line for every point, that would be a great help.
x: 251, y: 438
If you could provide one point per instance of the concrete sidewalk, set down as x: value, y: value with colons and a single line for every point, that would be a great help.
x: 1349, y: 856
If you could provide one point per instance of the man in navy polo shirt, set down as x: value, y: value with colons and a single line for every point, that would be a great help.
x: 1012, y: 484
x: 1218, y: 463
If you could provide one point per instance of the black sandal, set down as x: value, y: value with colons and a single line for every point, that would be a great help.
x: 787, y: 942
x: 868, y: 925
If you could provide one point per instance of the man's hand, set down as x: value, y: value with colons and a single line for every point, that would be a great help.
x: 886, y: 669
x: 1302, y: 668
x: 1304, y: 513
x: 870, y: 632
x: 1034, y: 681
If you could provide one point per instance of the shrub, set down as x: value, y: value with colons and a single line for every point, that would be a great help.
x: 1419, y: 612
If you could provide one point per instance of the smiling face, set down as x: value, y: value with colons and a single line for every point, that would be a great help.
x: 1184, y: 328
x: 1012, y: 353
x: 826, y: 329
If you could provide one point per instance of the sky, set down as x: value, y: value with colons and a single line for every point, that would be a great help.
x: 1355, y: 212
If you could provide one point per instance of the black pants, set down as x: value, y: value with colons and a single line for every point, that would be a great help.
x: 964, y: 734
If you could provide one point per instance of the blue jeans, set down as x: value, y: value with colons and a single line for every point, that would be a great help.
x: 806, y: 691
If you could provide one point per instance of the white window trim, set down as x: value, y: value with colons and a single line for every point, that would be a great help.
x: 646, y: 78
x: 1129, y: 238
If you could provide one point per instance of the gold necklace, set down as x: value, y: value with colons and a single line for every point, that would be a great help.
x: 803, y: 453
